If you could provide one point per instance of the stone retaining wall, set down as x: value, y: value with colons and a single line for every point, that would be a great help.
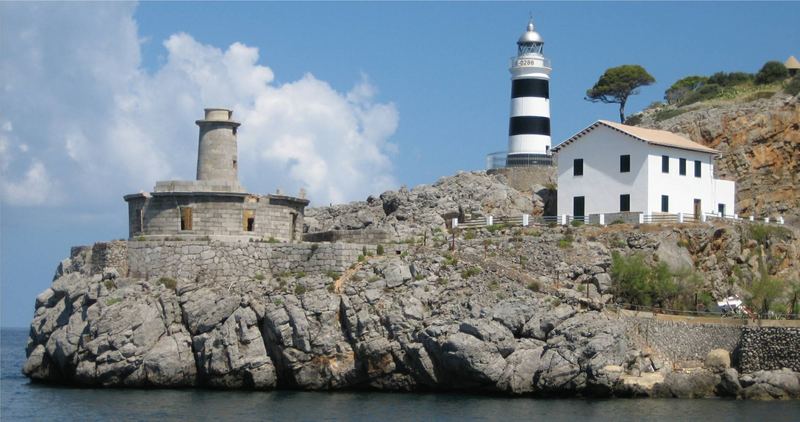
x: 106, y: 255
x: 766, y: 348
x: 680, y: 341
x: 363, y: 236
x: 237, y: 260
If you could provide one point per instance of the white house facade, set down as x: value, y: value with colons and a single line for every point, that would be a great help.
x: 610, y: 168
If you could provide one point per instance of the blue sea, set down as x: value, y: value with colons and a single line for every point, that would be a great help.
x: 22, y: 400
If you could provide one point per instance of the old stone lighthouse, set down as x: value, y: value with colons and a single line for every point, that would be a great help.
x: 215, y: 205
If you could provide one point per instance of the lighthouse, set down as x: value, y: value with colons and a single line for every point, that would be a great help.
x: 529, y: 125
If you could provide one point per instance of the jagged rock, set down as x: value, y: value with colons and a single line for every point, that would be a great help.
x: 675, y: 256
x: 516, y: 325
x: 729, y: 383
x: 687, y: 385
x: 769, y: 385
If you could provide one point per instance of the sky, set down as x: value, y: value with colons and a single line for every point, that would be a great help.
x: 344, y: 100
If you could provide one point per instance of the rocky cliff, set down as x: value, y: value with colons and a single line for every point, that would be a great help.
x: 409, y: 212
x: 513, y: 311
x: 759, y: 144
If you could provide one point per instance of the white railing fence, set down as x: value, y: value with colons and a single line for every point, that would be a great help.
x: 525, y: 220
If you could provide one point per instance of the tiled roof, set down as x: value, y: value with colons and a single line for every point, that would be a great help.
x: 651, y: 136
x: 792, y: 63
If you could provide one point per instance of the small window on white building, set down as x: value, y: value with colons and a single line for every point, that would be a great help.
x: 682, y: 167
x: 665, y: 163
x: 624, y: 163
x: 721, y: 209
x: 624, y: 203
x: 697, y: 172
x: 577, y: 167
x: 664, y: 203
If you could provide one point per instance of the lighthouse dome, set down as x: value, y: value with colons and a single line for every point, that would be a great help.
x: 530, y: 36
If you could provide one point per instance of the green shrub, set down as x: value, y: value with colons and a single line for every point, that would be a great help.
x: 706, y: 92
x: 469, y: 234
x: 565, y: 242
x: 761, y: 95
x: 277, y: 301
x: 272, y: 240
x: 331, y: 287
x: 617, y: 221
x: 449, y: 259
x: 300, y: 274
x: 668, y: 113
x: 379, y: 250
x: 469, y: 272
x: 113, y: 301
x: 680, y: 89
x: 495, y: 227
x: 299, y: 289
x: 259, y: 277
x: 639, y: 284
x: 535, y: 286
x: 419, y: 277
x: 373, y: 278
x: 167, y: 282
x: 333, y: 274
x: 576, y: 223
x: 110, y: 284
x: 764, y: 291
x: 763, y: 233
x: 634, y: 120
x: 724, y: 79
x: 314, y: 247
x: 793, y: 87
x: 772, y: 71
x: 361, y: 258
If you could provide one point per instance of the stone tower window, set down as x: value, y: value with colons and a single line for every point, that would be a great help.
x: 138, y: 219
x: 249, y: 220
x: 186, y: 218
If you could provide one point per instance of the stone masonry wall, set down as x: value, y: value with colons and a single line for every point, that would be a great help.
x: 107, y: 255
x: 362, y: 236
x: 679, y: 341
x: 237, y: 260
x: 766, y: 348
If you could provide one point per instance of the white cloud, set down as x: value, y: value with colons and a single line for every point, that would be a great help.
x: 96, y: 122
x: 35, y: 188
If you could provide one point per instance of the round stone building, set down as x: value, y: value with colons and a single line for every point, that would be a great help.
x: 215, y: 205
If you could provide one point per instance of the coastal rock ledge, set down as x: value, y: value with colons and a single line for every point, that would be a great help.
x: 422, y: 320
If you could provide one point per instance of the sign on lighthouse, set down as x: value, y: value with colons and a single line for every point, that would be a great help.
x: 529, y: 124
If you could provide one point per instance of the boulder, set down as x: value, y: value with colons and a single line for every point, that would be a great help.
x: 717, y: 360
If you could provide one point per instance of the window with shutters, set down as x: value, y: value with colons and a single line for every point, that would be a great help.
x: 577, y: 167
x: 624, y: 163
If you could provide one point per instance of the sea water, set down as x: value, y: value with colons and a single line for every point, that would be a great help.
x: 23, y: 400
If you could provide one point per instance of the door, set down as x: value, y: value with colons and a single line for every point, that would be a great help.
x: 697, y: 209
x: 577, y: 206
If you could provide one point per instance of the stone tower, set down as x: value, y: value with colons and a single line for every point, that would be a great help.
x: 217, y: 152
x: 529, y: 125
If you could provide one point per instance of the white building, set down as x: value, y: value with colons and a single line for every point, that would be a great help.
x: 609, y: 168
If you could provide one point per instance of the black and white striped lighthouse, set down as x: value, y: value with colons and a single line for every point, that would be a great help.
x: 529, y: 126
